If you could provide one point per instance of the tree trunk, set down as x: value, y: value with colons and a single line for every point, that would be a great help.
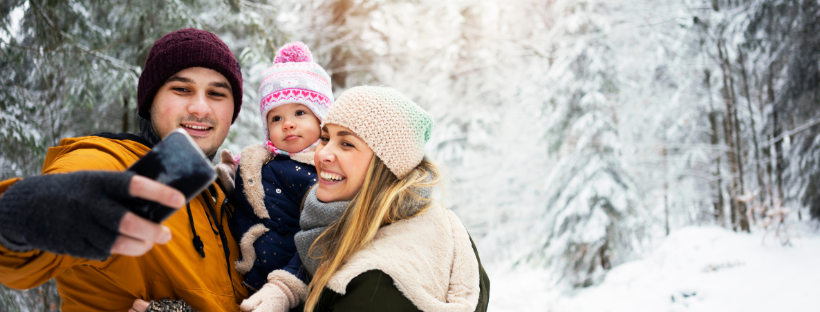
x: 338, y: 55
x: 778, y: 146
x: 767, y: 150
x: 665, y: 186
x: 743, y: 219
x: 125, y: 114
x: 762, y: 185
x: 720, y: 216
x: 729, y: 138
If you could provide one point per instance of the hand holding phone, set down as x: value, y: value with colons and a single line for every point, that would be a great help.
x: 177, y: 162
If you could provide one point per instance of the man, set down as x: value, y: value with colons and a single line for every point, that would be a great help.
x: 76, y: 227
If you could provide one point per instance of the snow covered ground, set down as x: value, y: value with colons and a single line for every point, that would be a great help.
x: 694, y: 269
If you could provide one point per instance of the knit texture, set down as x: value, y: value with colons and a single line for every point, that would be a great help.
x: 295, y: 78
x: 316, y: 217
x: 168, y: 305
x: 390, y: 123
x: 281, y: 293
x: 181, y: 49
x: 74, y: 213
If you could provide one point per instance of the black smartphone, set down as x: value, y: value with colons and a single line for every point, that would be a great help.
x: 177, y: 162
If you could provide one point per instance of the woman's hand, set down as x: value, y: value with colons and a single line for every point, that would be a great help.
x: 139, y: 306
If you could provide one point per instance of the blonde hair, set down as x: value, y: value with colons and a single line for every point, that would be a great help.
x: 379, y: 202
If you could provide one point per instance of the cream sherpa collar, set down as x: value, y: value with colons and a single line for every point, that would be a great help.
x: 429, y: 257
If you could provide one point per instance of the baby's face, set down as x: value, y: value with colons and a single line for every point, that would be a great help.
x: 292, y: 127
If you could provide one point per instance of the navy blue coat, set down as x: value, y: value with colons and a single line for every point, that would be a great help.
x: 285, y: 184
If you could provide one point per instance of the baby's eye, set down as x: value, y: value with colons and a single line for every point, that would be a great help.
x: 276, y: 118
x: 300, y: 113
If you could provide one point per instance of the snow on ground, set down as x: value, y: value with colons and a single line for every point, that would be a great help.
x: 694, y: 269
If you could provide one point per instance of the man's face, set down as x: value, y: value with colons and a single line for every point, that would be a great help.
x: 198, y: 100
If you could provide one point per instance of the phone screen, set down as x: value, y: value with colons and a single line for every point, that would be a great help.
x: 177, y: 162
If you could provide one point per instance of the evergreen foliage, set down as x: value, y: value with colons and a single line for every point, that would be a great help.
x: 574, y: 132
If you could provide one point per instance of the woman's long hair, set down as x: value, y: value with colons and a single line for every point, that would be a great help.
x: 381, y: 201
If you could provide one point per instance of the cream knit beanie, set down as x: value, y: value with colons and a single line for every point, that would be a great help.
x: 390, y: 123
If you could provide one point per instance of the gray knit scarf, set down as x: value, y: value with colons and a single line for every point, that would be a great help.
x: 317, y: 216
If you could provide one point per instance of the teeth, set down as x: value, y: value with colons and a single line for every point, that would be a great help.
x: 330, y: 176
x: 195, y: 127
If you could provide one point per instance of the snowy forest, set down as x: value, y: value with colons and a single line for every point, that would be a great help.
x: 589, y: 144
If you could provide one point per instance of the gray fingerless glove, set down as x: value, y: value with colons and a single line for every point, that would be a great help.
x: 168, y: 305
x: 75, y: 213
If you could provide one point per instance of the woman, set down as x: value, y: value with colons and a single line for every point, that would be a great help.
x: 375, y: 238
x: 372, y: 236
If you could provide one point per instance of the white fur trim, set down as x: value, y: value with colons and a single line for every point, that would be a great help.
x: 305, y: 158
x: 246, y: 246
x: 429, y: 257
x: 253, y: 158
x: 296, y: 286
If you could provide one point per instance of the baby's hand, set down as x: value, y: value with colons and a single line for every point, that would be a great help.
x: 281, y: 293
x: 273, y: 297
x: 226, y: 172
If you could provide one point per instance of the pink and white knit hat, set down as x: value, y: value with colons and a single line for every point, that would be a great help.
x: 295, y: 78
x: 390, y: 123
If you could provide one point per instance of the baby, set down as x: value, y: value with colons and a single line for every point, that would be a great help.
x: 273, y: 177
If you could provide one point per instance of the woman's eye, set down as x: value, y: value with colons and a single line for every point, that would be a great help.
x: 345, y: 144
x: 324, y: 138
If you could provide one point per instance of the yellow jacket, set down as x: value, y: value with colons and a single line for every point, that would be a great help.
x: 174, y: 270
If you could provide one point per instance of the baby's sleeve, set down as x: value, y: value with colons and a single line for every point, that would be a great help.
x: 296, y: 268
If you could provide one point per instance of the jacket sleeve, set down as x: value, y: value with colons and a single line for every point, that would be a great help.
x: 4, y: 185
x: 23, y: 270
x: 483, y: 283
x: 375, y: 291
x: 295, y: 267
x: 371, y: 291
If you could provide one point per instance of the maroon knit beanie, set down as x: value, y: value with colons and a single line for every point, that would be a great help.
x: 181, y: 49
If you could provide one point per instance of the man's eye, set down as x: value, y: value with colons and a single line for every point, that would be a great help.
x: 180, y: 89
x: 217, y: 94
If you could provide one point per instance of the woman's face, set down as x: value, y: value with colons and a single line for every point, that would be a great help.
x: 341, y: 160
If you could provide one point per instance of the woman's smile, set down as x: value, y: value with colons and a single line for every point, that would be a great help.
x: 330, y: 177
